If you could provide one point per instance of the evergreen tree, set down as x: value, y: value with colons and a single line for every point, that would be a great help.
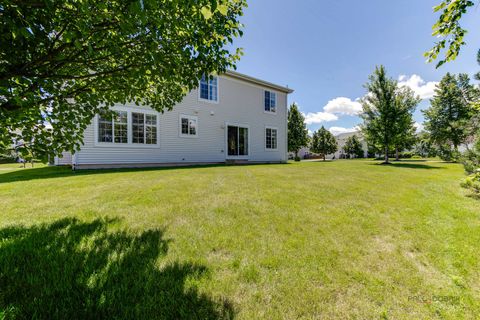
x: 323, y: 142
x: 423, y: 146
x: 387, y: 113
x: 353, y: 147
x: 449, y: 117
x: 297, y: 130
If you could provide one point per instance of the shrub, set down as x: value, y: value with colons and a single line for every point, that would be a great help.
x: 297, y: 158
x: 416, y: 157
x: 7, y: 157
x: 472, y: 182
x: 446, y: 153
x: 471, y: 163
x: 406, y: 155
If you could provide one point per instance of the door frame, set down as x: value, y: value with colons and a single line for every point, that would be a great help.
x: 240, y: 125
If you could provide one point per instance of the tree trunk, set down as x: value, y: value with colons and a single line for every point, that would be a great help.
x: 397, y: 154
x: 386, y: 155
x: 324, y: 157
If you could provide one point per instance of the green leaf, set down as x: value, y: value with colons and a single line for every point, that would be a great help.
x: 206, y: 12
x: 223, y: 9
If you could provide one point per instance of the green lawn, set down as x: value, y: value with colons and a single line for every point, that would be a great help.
x: 345, y: 239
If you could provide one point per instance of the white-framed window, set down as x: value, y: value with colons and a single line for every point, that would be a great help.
x: 144, y: 128
x: 127, y: 128
x: 188, y: 126
x: 270, y: 101
x: 271, y: 138
x: 113, y: 129
x: 209, y: 88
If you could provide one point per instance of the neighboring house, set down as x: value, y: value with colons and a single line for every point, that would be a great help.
x: 229, y: 118
x: 302, y: 153
x: 342, y: 138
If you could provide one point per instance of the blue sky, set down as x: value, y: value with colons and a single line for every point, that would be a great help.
x: 326, y: 49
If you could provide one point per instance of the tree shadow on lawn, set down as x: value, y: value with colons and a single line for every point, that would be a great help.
x: 61, y: 172
x: 408, y: 165
x: 79, y: 270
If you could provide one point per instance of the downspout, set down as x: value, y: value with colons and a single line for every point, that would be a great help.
x: 286, y: 128
x: 74, y: 161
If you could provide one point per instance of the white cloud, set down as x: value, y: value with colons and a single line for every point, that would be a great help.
x: 319, y: 117
x: 343, y: 105
x: 424, y: 89
x: 338, y: 130
x: 419, y: 127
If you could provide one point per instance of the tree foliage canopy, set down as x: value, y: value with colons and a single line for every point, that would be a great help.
x: 448, y: 119
x: 387, y: 112
x: 449, y: 30
x: 323, y: 142
x: 353, y: 147
x: 297, y: 130
x: 63, y: 61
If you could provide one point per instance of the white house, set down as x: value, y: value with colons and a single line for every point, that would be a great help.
x: 342, y: 139
x: 229, y: 118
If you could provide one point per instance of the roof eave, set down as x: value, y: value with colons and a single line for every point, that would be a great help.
x: 256, y: 81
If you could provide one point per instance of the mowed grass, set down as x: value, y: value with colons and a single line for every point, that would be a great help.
x: 311, y: 240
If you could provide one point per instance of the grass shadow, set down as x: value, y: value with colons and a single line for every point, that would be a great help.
x: 61, y: 172
x: 415, y: 166
x: 80, y: 270
x: 407, y: 165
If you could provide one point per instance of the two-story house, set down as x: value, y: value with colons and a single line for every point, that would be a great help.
x: 228, y: 118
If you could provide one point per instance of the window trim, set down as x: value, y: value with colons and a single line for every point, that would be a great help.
x: 129, y: 111
x: 112, y: 122
x: 240, y: 125
x: 276, y: 104
x: 265, y: 138
x: 206, y: 100
x: 187, y: 116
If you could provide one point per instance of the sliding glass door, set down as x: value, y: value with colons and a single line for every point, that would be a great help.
x: 237, y: 141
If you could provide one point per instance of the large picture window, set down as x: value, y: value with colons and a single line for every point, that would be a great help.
x: 270, y: 101
x: 144, y: 128
x: 271, y: 138
x: 209, y: 88
x: 113, y: 129
x: 116, y: 129
x: 150, y: 129
x: 138, y: 127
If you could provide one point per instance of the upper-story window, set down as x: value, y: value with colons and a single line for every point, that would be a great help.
x: 113, y: 129
x: 209, y: 88
x: 270, y: 101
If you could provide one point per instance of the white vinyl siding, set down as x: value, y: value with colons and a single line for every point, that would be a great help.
x: 239, y: 104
